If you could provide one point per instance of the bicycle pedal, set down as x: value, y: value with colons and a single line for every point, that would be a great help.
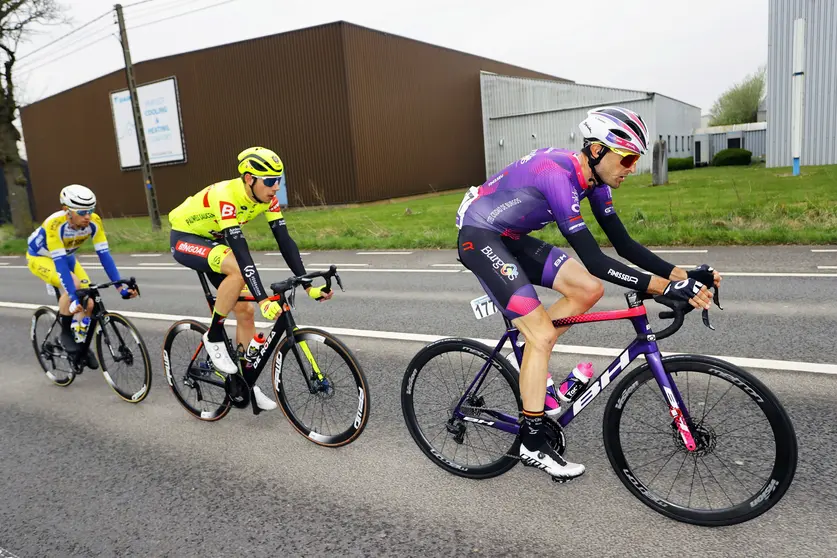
x: 563, y: 480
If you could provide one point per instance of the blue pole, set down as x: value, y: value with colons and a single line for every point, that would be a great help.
x: 796, y: 166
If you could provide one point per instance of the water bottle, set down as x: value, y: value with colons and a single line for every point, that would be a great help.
x: 254, y: 347
x: 79, y: 329
x: 575, y: 383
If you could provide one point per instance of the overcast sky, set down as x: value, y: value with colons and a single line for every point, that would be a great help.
x: 688, y: 50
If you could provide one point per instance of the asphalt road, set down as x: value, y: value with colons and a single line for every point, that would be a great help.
x: 85, y: 474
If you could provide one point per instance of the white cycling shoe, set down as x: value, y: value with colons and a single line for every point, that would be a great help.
x: 220, y: 356
x: 263, y: 402
x: 551, y: 462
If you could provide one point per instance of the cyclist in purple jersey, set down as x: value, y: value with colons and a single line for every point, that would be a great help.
x: 548, y: 185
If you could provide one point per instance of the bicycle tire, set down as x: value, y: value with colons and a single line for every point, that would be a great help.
x: 129, y: 395
x: 356, y: 420
x: 764, y: 498
x: 55, y: 349
x: 223, y: 407
x: 414, y: 370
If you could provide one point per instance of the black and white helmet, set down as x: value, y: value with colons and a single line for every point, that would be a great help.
x: 76, y: 196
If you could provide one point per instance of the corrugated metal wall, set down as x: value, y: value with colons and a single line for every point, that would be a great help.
x: 819, y: 141
x: 527, y: 114
x: 755, y: 142
x: 415, y: 114
x: 355, y: 114
x: 228, y: 102
x: 676, y: 122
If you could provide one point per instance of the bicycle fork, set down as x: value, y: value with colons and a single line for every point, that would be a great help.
x: 679, y: 414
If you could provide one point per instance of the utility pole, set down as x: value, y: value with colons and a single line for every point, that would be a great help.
x: 150, y: 193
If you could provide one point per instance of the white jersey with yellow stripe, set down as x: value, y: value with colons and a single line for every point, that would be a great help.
x: 56, y: 238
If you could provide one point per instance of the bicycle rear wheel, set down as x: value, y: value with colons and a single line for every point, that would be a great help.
x: 45, y: 335
x: 127, y: 368
x: 333, y: 409
x: 433, y: 384
x: 746, y: 446
x: 190, y: 375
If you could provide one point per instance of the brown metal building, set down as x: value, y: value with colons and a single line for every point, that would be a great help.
x: 356, y: 115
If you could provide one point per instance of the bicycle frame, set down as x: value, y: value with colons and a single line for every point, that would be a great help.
x: 97, y: 317
x: 284, y: 327
x: 645, y: 344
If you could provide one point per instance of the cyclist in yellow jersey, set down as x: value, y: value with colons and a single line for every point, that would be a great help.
x: 206, y: 236
x: 51, y: 256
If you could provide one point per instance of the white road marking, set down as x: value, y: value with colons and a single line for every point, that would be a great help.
x: 10, y: 257
x: 678, y: 265
x: 339, y: 264
x: 680, y: 251
x: 156, y: 263
x: 383, y: 253
x: 767, y: 364
x: 146, y: 255
x: 448, y: 265
x: 825, y: 250
x: 159, y: 267
x: 5, y: 263
x: 827, y: 267
x: 88, y: 256
x: 280, y: 253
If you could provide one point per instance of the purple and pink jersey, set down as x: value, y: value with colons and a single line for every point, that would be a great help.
x: 544, y: 186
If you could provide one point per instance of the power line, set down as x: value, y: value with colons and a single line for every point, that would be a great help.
x: 29, y: 62
x: 77, y: 29
x: 136, y: 3
x: 180, y: 14
x: 166, y: 5
x: 31, y: 69
x: 159, y: 9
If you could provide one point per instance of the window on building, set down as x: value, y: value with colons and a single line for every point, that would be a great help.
x: 683, y: 143
x: 676, y: 144
x: 733, y: 143
x: 669, y: 144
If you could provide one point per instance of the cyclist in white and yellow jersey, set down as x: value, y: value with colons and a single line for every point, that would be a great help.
x: 51, y: 256
x: 206, y: 236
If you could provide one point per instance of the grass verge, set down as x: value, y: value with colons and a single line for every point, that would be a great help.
x: 705, y: 206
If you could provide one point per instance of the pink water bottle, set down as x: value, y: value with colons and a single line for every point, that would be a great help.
x: 575, y: 383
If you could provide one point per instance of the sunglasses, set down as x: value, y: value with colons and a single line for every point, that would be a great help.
x: 270, y: 182
x: 84, y: 212
x: 628, y: 159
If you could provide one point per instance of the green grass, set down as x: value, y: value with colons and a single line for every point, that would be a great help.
x: 705, y: 206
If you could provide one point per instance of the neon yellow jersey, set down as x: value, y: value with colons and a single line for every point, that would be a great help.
x: 220, y: 206
x: 56, y: 238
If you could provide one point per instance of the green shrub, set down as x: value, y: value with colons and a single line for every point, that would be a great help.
x: 727, y: 157
x: 681, y: 163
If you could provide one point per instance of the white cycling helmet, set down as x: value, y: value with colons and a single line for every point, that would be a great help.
x: 617, y: 128
x: 76, y: 196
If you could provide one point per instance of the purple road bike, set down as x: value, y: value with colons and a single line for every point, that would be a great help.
x: 695, y: 438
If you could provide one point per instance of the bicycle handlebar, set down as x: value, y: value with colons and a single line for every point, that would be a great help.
x: 292, y: 283
x: 679, y: 309
x: 131, y: 283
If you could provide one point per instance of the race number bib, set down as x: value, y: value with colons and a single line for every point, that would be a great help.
x: 471, y: 195
x: 483, y: 307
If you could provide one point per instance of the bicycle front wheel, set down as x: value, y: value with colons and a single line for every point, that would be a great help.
x: 746, y: 452
x: 123, y: 358
x: 321, y: 387
x: 190, y: 374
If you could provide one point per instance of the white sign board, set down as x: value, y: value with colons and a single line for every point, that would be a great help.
x: 160, y: 110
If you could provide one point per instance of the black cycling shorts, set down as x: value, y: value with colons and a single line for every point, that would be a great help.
x: 200, y: 254
x: 508, y: 267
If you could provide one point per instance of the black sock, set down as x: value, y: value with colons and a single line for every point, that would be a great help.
x: 65, y: 322
x: 216, y: 327
x: 531, y: 431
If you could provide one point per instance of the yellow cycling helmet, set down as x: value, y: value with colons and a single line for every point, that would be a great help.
x: 260, y: 161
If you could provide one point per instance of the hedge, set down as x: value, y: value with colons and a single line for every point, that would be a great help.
x: 728, y: 157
